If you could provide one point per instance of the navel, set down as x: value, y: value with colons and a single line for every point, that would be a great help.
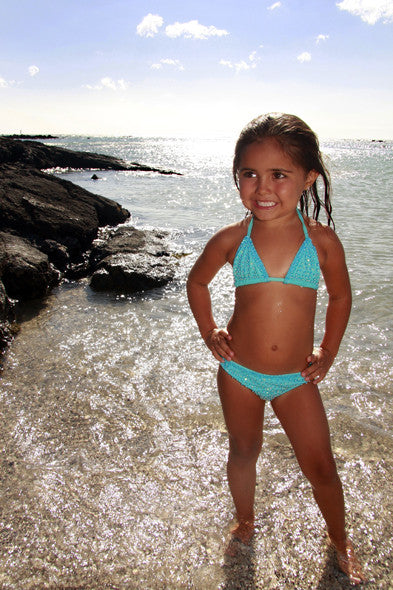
x: 274, y: 347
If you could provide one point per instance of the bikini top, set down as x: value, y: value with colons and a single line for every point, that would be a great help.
x: 248, y: 268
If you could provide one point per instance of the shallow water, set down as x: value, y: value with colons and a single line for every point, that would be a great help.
x: 113, y: 442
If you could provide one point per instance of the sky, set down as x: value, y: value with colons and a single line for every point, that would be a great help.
x: 178, y: 68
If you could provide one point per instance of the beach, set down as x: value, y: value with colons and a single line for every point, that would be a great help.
x: 113, y: 441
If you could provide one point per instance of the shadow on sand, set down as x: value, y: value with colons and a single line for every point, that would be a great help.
x: 239, y: 566
x: 332, y: 578
x: 240, y: 571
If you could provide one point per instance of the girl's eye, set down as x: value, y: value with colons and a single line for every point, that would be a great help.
x: 249, y: 174
x: 278, y: 175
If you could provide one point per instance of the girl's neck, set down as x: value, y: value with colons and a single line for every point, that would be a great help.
x: 277, y: 223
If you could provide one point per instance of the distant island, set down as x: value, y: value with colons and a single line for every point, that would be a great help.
x: 22, y: 136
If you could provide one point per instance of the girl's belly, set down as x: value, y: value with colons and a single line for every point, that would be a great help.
x: 274, y: 335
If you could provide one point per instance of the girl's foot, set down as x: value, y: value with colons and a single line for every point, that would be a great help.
x: 348, y: 562
x: 241, y: 534
x: 243, y: 531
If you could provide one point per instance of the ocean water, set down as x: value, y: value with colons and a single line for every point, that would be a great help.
x: 113, y: 442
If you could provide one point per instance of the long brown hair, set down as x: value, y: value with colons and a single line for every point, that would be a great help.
x: 301, y: 144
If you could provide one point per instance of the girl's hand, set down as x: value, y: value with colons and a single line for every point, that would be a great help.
x: 319, y: 363
x: 218, y: 342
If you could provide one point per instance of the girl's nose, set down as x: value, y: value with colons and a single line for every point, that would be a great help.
x: 263, y: 185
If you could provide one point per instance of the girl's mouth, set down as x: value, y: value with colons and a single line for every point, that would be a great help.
x: 265, y: 204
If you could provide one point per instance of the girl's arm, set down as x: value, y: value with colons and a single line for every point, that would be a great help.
x: 214, y: 256
x: 338, y: 286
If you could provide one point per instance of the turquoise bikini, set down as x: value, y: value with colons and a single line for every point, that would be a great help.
x: 248, y: 269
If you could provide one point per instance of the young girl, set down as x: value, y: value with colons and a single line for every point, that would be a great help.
x: 266, y: 352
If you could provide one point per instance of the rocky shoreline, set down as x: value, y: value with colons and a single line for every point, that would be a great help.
x: 43, y: 157
x: 49, y: 229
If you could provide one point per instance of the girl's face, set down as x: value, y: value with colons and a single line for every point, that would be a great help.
x: 270, y: 182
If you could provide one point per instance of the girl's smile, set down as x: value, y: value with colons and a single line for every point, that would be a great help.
x: 266, y: 204
x: 270, y: 181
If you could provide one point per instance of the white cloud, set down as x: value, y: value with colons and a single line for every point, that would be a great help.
x: 149, y: 25
x: 108, y: 82
x: 112, y: 84
x: 238, y: 66
x: 122, y: 84
x: 243, y: 65
x: 90, y: 87
x: 303, y: 57
x: 6, y: 83
x: 370, y: 11
x: 322, y: 38
x: 274, y: 6
x: 33, y: 71
x: 193, y: 30
x: 168, y: 62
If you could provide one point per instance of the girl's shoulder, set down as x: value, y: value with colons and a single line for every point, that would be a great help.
x: 226, y: 241
x: 233, y: 233
x: 320, y: 231
x: 323, y: 237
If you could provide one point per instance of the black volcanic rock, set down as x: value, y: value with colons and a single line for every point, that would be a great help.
x: 48, y: 225
x: 24, y: 136
x: 127, y: 239
x: 6, y: 318
x: 41, y: 206
x: 39, y: 155
x: 132, y: 260
x: 26, y: 272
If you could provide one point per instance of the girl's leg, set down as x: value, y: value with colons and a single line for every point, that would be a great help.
x: 303, y: 418
x: 243, y: 412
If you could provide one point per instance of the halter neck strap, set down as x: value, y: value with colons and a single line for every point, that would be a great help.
x: 299, y: 215
x: 250, y: 226
x: 303, y: 224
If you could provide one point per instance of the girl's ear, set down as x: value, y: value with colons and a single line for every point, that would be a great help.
x: 311, y: 177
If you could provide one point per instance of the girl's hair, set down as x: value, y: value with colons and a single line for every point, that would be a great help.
x: 300, y: 143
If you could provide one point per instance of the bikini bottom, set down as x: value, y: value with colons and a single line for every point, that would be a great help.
x: 267, y: 387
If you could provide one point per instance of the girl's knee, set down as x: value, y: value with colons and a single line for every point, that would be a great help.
x: 244, y: 450
x: 321, y: 471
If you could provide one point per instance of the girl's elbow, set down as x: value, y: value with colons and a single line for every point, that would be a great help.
x: 343, y: 299
x: 193, y: 285
x: 347, y: 296
x: 191, y: 278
